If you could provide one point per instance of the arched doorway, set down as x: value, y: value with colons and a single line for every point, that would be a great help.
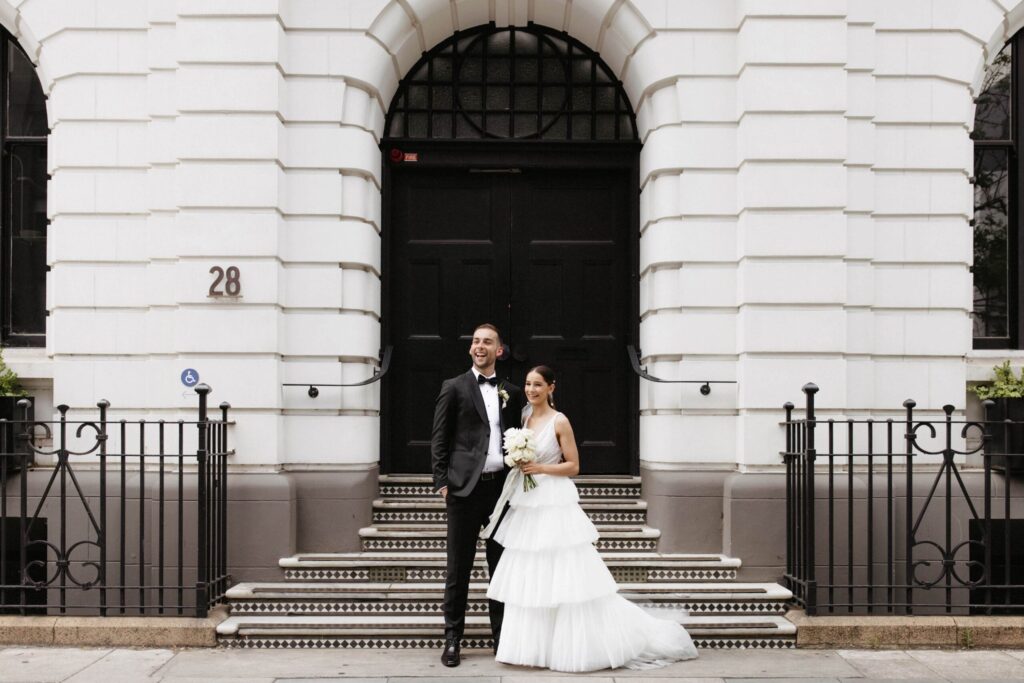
x: 510, y: 196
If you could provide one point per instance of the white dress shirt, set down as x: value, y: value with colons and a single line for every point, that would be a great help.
x: 495, y: 460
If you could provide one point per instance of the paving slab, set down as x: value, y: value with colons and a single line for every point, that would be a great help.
x: 127, y: 666
x: 443, y: 679
x: 674, y: 680
x: 555, y: 677
x: 207, y: 679
x: 973, y: 664
x: 104, y: 665
x: 755, y: 664
x: 42, y: 665
x: 888, y: 664
x: 785, y: 680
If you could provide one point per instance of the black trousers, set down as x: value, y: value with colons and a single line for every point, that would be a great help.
x: 466, y: 516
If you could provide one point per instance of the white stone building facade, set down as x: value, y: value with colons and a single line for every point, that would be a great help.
x: 805, y: 215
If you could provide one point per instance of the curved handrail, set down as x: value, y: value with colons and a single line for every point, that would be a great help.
x: 634, y: 360
x: 378, y: 374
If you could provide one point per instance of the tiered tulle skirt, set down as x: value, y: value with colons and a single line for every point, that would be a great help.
x: 562, y: 609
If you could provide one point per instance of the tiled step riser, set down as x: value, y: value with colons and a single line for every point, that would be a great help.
x: 415, y: 555
x: 423, y: 643
x: 614, y: 492
x: 386, y: 517
x: 429, y: 607
x: 431, y: 544
x: 431, y: 574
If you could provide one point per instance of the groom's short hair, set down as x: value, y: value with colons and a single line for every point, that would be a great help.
x: 488, y: 326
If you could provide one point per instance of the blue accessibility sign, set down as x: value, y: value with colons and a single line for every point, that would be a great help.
x: 189, y: 377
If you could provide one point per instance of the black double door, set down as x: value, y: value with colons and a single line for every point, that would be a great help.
x: 542, y: 254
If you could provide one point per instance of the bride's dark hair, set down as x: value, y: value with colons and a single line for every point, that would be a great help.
x: 549, y: 378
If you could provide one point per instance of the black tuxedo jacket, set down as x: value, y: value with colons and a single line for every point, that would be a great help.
x: 458, y: 443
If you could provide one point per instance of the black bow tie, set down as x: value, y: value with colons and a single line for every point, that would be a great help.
x: 493, y: 381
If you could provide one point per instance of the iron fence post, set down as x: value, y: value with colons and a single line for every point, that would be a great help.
x: 788, y: 460
x: 222, y: 573
x: 909, y: 521
x: 202, y: 574
x: 810, y: 389
x: 102, y: 437
x: 948, y: 563
x: 25, y: 436
x: 987, y: 463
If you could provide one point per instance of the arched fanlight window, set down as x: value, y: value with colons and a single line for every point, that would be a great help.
x: 23, y: 176
x: 525, y: 83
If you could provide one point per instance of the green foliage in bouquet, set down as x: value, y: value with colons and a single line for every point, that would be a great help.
x: 9, y: 384
x: 1006, y: 384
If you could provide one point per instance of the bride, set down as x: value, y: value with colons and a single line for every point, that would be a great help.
x: 562, y: 609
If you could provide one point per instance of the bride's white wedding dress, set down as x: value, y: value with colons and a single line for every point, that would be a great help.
x: 562, y: 608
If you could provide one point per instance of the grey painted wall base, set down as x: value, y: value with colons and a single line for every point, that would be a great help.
x: 754, y: 524
x: 282, y: 513
x: 332, y: 507
x: 736, y: 513
x: 686, y: 507
x: 262, y: 525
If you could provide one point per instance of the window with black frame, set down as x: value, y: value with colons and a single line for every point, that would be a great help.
x: 996, y: 318
x: 23, y: 131
x: 511, y: 83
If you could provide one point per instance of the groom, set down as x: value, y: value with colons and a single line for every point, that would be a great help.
x: 472, y: 412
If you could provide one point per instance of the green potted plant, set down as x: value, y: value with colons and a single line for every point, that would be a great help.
x: 1006, y: 402
x: 11, y: 392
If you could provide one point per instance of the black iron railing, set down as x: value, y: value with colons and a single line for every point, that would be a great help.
x: 903, y: 515
x: 635, y: 356
x: 383, y: 365
x: 129, y: 517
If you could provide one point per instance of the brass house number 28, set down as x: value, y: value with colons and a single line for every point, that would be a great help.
x: 231, y: 278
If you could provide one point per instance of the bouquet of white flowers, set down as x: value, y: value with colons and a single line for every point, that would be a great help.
x: 521, y: 447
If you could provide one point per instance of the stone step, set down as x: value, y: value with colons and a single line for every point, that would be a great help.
x: 440, y: 529
x: 630, y: 567
x: 387, y: 631
x: 432, y: 511
x: 590, y: 486
x: 294, y: 598
x: 435, y: 537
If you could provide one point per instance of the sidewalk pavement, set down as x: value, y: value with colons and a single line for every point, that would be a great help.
x: 26, y: 664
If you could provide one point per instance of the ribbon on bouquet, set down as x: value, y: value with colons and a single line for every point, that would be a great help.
x: 514, y: 478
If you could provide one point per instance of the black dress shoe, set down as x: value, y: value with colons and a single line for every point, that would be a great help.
x: 497, y: 638
x: 450, y: 656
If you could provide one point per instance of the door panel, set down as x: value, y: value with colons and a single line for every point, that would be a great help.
x: 542, y: 254
x: 450, y: 272
x: 570, y: 271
